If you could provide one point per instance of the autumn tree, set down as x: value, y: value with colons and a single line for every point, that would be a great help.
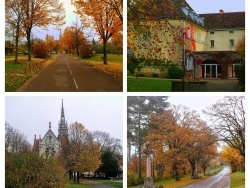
x: 14, y: 10
x: 117, y: 43
x: 203, y: 148
x: 84, y: 153
x: 102, y: 16
x: 50, y: 43
x: 41, y: 13
x: 139, y: 110
x: 173, y: 130
x: 227, y: 118
x: 15, y: 141
x: 234, y: 158
x: 67, y: 40
x: 29, y: 169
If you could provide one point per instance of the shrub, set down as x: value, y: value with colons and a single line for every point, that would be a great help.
x: 175, y: 72
x: 134, y: 64
x: 140, y: 74
x: 240, y: 71
x: 132, y: 179
x: 86, y: 50
x: 155, y: 75
x: 40, y: 50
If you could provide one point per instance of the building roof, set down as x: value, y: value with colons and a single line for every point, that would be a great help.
x: 224, y: 20
x: 180, y: 9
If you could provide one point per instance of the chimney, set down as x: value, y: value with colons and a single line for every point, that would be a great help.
x: 221, y: 11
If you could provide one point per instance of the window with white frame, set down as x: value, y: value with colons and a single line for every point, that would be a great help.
x: 211, y: 43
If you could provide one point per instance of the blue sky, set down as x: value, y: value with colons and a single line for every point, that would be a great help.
x: 213, y: 6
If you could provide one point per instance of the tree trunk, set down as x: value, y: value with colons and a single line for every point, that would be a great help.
x: 192, y: 169
x: 77, y: 51
x: 139, y: 148
x: 28, y: 34
x: 16, y: 47
x: 74, y: 177
x: 70, y: 175
x: 78, y: 177
x: 176, y: 173
x: 105, y: 52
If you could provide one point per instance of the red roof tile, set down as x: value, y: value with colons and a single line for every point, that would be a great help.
x: 224, y: 20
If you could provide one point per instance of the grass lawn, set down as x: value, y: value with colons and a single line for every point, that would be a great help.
x: 111, y: 58
x: 171, y: 183
x: 72, y: 185
x: 148, y: 84
x: 111, y: 182
x: 238, y: 180
x: 15, y: 75
x: 114, y: 66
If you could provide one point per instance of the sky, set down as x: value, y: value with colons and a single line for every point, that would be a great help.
x: 213, y: 6
x: 196, y: 103
x: 199, y: 6
x: 69, y: 19
x: 31, y: 115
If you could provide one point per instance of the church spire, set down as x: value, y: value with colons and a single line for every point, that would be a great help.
x: 62, y: 111
x: 62, y: 125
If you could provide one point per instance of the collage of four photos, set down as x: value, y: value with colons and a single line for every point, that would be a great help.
x: 113, y: 93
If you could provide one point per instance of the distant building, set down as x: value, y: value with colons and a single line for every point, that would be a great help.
x: 203, y: 45
x: 51, y: 144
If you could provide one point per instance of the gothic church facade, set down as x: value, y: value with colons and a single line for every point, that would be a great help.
x: 51, y: 144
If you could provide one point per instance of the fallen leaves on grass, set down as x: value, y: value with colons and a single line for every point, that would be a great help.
x: 114, y: 69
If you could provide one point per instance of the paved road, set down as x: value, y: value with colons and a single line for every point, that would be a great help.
x: 222, y: 85
x: 221, y: 180
x: 66, y: 73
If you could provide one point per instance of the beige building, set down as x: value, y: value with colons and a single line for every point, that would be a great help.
x: 202, y: 44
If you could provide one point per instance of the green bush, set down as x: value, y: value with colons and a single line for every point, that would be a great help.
x: 155, y: 75
x: 132, y: 179
x: 175, y: 72
x: 133, y: 64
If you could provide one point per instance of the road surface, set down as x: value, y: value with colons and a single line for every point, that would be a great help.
x: 221, y: 180
x: 66, y: 73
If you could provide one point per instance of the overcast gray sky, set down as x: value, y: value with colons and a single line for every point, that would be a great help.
x: 31, y: 115
x: 196, y: 103
x: 213, y: 6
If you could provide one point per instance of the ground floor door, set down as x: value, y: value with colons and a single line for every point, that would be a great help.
x: 211, y: 71
x: 234, y: 67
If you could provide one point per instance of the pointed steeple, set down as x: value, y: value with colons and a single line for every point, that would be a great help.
x: 62, y: 125
x: 62, y: 111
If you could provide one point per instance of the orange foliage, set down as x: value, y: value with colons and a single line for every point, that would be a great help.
x: 67, y: 40
x: 240, y: 47
x: 233, y: 157
x: 102, y: 16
